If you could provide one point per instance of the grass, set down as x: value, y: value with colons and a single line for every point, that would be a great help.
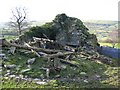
x: 108, y: 74
x: 117, y: 45
x: 10, y: 37
x: 14, y: 83
x: 91, y: 68
x: 105, y: 44
x: 113, y: 74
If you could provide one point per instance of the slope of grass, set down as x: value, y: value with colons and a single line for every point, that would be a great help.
x: 95, y: 74
x: 117, y: 45
x: 106, y: 44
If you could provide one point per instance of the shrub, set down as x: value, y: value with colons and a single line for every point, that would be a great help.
x: 42, y: 31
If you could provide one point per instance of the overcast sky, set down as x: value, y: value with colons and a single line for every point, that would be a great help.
x: 48, y: 9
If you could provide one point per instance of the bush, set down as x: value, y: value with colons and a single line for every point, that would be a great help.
x: 40, y: 31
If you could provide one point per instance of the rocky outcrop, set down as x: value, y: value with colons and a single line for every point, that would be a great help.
x: 64, y: 30
x: 73, y: 32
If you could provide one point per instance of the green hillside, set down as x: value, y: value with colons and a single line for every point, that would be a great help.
x: 101, y: 28
x: 89, y: 74
x: 84, y: 69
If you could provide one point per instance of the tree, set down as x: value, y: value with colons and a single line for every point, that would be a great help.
x: 19, y: 19
x: 114, y: 37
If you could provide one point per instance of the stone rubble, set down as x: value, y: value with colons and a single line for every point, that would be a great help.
x: 30, y: 61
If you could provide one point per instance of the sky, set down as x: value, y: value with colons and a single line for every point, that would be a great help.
x: 46, y: 10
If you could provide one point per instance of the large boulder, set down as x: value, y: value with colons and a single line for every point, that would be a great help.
x: 73, y: 32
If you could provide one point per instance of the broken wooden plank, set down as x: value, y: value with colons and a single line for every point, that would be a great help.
x: 29, y: 48
x: 32, y: 49
x: 68, y: 62
x: 42, y: 39
x: 53, y: 43
x: 59, y: 54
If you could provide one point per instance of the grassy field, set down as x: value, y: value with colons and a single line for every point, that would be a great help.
x: 10, y: 37
x: 117, y: 45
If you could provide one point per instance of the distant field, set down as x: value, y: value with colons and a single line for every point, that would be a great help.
x: 117, y: 45
x: 100, y: 28
x: 9, y: 37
